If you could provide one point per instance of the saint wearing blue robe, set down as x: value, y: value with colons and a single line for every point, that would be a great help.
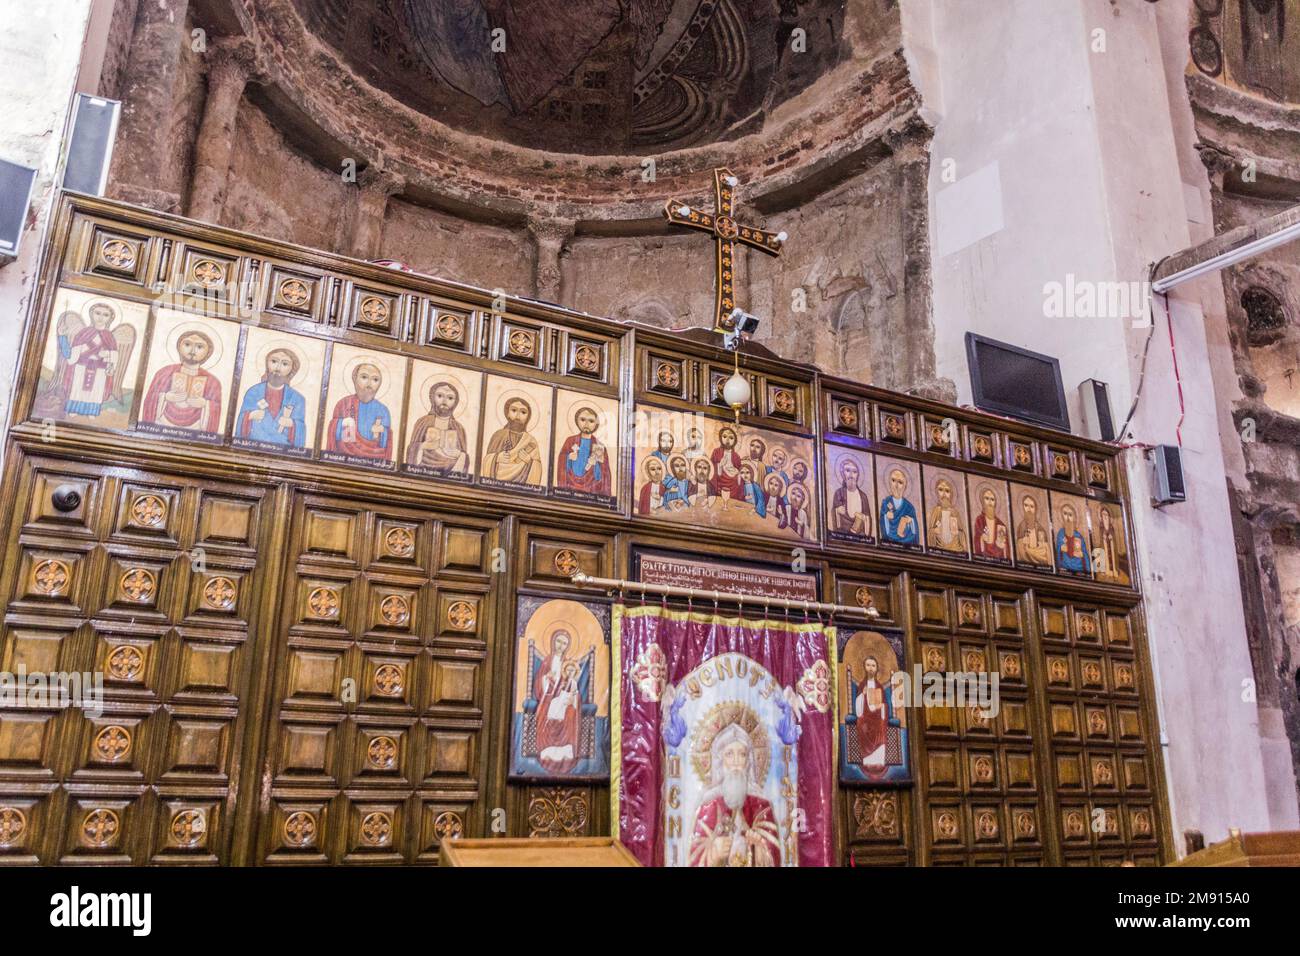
x: 892, y: 512
x: 283, y: 419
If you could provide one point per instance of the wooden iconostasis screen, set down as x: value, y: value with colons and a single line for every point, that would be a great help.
x: 312, y: 525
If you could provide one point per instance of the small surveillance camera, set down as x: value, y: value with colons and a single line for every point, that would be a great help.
x: 744, y: 322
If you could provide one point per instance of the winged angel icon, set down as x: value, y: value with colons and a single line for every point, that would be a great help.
x: 90, y: 365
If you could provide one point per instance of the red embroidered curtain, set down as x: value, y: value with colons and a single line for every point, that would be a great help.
x: 723, y: 739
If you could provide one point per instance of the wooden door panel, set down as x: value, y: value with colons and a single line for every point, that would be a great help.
x: 148, y: 582
x: 374, y: 751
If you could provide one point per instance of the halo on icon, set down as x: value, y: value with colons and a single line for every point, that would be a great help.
x: 204, y: 329
x: 366, y: 359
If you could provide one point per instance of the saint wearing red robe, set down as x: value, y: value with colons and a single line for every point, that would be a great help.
x: 583, y: 463
x: 651, y: 497
x: 184, y: 394
x: 726, y: 466
x: 735, y: 824
x: 990, y: 539
x: 872, y: 715
x: 361, y: 425
x: 555, y: 688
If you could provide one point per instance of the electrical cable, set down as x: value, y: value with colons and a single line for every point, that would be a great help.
x: 1146, y: 349
x: 1178, y: 379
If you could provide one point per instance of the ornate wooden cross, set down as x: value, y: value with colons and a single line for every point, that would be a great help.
x: 726, y: 233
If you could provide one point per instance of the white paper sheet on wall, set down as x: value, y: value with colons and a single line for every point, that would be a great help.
x: 969, y: 210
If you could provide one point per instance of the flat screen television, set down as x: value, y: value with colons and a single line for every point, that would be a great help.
x: 1016, y: 382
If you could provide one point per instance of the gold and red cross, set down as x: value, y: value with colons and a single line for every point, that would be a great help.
x: 726, y: 233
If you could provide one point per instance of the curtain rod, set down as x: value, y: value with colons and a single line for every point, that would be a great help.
x: 582, y: 579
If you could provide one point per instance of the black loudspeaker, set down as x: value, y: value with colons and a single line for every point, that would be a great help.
x: 90, y: 144
x: 1094, y: 397
x: 16, y: 184
x: 1167, y: 478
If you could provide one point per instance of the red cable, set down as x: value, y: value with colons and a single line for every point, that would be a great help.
x: 1173, y: 351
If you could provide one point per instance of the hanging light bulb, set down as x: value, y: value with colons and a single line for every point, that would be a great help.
x: 735, y: 390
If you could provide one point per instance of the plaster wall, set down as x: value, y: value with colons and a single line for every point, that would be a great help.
x: 41, y: 46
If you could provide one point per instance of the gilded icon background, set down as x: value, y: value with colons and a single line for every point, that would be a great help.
x: 1070, y: 534
x: 712, y: 472
x: 362, y: 406
x: 947, y: 528
x: 586, y: 447
x: 872, y: 707
x: 898, y: 485
x: 1031, y: 524
x: 850, y: 494
x: 990, y: 520
x: 516, y: 434
x: 1109, y: 551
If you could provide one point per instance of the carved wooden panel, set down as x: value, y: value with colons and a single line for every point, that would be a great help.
x: 150, y: 583
x: 554, y: 559
x: 121, y: 254
x: 374, y: 310
x: 984, y: 789
x: 375, y: 750
x: 1100, y: 749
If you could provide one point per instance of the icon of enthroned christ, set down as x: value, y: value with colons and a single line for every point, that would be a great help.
x: 185, y: 394
x: 583, y: 463
x: 872, y: 716
x: 735, y: 824
x: 91, y: 363
x: 361, y: 425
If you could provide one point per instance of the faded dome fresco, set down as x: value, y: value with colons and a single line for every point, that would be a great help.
x: 587, y: 76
